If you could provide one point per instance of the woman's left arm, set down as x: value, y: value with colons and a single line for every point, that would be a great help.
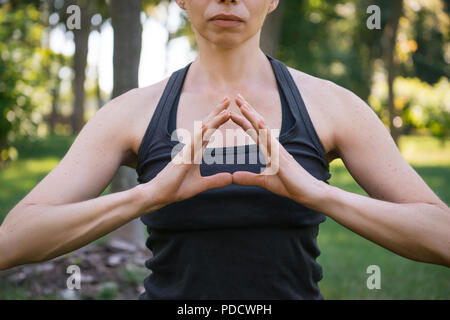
x: 402, y: 213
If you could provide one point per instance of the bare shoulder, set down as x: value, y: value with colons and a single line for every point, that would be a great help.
x: 135, y: 109
x: 329, y: 106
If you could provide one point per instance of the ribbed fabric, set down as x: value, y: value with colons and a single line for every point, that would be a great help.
x: 235, y: 242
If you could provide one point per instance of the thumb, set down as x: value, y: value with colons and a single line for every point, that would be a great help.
x: 218, y: 180
x: 246, y: 178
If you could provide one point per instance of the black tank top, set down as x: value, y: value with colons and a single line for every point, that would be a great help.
x: 235, y: 242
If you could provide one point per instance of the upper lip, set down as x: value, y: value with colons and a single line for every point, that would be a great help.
x: 223, y: 16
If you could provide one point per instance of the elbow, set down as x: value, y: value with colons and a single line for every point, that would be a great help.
x: 8, y: 253
x: 12, y: 258
x: 5, y: 262
x: 444, y: 244
x: 438, y: 254
x: 12, y: 253
x: 444, y: 257
x: 432, y: 256
x: 4, y: 265
x: 436, y: 246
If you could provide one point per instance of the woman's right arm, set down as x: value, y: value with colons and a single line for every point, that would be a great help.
x: 63, y: 212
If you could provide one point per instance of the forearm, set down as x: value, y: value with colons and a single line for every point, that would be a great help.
x: 38, y: 232
x: 417, y: 231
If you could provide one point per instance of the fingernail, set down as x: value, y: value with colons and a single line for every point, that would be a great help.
x: 224, y: 99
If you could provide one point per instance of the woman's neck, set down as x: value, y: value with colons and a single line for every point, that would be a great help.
x: 222, y: 70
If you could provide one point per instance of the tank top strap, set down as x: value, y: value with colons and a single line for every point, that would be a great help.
x: 295, y: 101
x: 155, y: 130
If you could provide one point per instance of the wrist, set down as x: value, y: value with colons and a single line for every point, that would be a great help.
x: 145, y: 197
x: 320, y: 197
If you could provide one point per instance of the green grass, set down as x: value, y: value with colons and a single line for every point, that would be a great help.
x: 345, y: 255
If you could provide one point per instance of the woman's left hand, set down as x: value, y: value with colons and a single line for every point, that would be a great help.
x: 283, y: 175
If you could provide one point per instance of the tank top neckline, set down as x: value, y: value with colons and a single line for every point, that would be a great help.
x: 173, y: 140
x: 157, y: 130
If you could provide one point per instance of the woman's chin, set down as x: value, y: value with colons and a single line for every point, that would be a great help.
x: 226, y: 41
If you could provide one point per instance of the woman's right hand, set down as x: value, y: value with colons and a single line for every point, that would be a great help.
x: 181, y: 178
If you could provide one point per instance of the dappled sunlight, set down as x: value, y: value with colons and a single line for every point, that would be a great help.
x: 425, y: 150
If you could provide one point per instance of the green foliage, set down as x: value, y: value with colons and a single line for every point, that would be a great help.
x: 25, y: 74
x: 134, y: 275
x: 419, y: 104
x: 330, y: 40
x: 20, y: 35
x: 427, y: 106
x: 429, y: 59
x: 108, y: 291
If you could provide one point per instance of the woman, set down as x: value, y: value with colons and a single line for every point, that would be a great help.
x: 224, y: 229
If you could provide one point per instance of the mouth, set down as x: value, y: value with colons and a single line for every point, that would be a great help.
x: 226, y: 20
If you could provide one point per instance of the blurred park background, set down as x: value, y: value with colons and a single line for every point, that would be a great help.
x: 53, y: 79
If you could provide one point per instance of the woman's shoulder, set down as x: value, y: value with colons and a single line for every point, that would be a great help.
x: 326, y: 93
x: 323, y: 88
x: 140, y: 98
x: 134, y: 110
x: 330, y: 106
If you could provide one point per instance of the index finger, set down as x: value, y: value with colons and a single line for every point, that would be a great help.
x: 258, y: 122
x: 193, y: 150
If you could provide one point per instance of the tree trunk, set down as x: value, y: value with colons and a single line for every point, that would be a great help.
x: 389, y: 42
x: 81, y: 38
x: 49, y: 75
x: 127, y: 44
x: 55, y: 116
x: 55, y: 100
x: 270, y: 33
x: 125, y: 17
